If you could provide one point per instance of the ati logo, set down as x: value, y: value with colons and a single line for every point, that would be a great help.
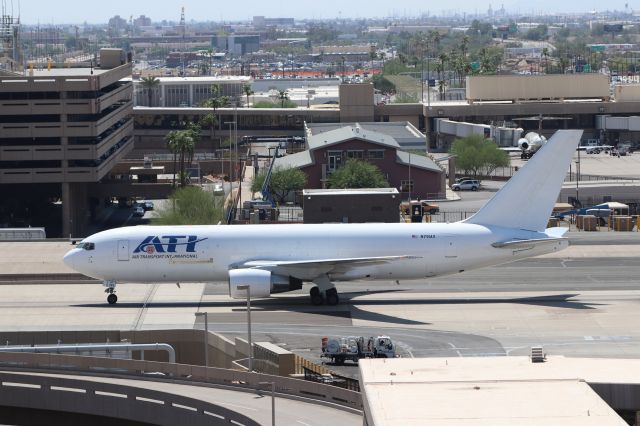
x: 168, y: 244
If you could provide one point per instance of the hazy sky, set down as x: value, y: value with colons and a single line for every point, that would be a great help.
x: 99, y: 11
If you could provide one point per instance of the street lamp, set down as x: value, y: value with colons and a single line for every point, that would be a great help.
x: 248, y: 288
x: 273, y: 400
x: 577, y: 176
x: 206, y: 337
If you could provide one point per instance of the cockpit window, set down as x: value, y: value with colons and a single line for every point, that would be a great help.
x: 86, y: 246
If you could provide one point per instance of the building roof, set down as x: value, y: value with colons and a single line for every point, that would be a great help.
x: 345, y: 133
x: 404, y: 133
x: 358, y: 191
x: 493, y: 391
x: 296, y: 161
x: 334, y: 133
x: 417, y: 160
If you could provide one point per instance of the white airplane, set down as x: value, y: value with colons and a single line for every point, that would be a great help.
x: 530, y: 144
x: 277, y: 258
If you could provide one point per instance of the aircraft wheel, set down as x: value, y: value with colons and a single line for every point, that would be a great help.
x: 316, y: 296
x: 112, y: 299
x: 332, y: 296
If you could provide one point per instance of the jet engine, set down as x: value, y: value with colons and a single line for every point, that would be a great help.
x: 532, y: 141
x: 262, y: 283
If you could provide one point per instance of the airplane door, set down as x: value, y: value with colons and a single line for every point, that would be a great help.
x: 451, y: 251
x: 451, y: 258
x: 123, y: 250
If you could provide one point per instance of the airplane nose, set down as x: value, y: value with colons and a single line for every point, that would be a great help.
x: 69, y: 259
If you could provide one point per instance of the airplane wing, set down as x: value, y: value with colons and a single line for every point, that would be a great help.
x: 310, y: 269
x: 511, y: 149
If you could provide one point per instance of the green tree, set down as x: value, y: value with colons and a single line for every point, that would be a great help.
x: 357, y: 174
x: 282, y: 96
x: 283, y: 181
x: 538, y: 33
x: 182, y: 144
x: 150, y: 84
x: 246, y: 88
x: 191, y: 206
x: 477, y: 156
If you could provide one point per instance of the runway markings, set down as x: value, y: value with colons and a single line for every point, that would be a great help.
x: 151, y: 291
x: 607, y: 338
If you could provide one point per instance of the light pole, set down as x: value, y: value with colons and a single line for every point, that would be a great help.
x: 248, y: 288
x: 231, y: 134
x: 273, y: 400
x: 577, y: 176
x: 409, y: 184
x: 206, y: 337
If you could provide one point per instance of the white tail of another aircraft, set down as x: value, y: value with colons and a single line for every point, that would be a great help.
x: 527, y: 199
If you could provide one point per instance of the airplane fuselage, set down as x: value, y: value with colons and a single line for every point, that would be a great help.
x: 207, y: 253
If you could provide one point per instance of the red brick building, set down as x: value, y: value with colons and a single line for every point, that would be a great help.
x: 412, y: 174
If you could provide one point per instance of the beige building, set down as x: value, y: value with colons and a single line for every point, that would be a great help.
x: 61, y: 129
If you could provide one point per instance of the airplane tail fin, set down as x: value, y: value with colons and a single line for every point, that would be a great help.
x: 527, y: 199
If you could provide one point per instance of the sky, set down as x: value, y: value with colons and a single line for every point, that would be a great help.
x: 99, y: 11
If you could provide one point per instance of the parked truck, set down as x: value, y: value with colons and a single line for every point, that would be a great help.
x: 352, y: 348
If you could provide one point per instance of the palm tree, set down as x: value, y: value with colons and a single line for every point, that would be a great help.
x: 382, y: 57
x: 441, y: 87
x: 150, y: 84
x: 436, y: 38
x: 443, y: 59
x: 545, y: 54
x: 283, y: 96
x: 182, y: 144
x: 463, y: 45
x: 247, y: 91
x: 214, y: 102
x: 172, y: 143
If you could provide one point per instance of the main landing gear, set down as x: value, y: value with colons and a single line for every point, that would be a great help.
x: 111, y: 290
x: 325, y: 291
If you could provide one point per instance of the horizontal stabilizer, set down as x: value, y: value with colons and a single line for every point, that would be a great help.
x: 557, y: 232
x: 525, y: 243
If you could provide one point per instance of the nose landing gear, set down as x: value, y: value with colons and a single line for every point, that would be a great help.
x: 111, y: 290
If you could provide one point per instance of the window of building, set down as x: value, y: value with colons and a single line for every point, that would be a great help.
x: 375, y: 154
x: 358, y: 155
x: 406, y: 186
x: 334, y: 159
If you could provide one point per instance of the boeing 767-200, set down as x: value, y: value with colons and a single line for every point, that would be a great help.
x: 277, y: 258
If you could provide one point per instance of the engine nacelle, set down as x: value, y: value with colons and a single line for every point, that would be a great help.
x: 523, y: 144
x: 262, y: 283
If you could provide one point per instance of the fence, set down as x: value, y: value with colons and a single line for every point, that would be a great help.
x: 507, y: 172
x: 321, y: 374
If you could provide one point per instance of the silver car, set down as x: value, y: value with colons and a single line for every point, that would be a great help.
x: 467, y: 184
